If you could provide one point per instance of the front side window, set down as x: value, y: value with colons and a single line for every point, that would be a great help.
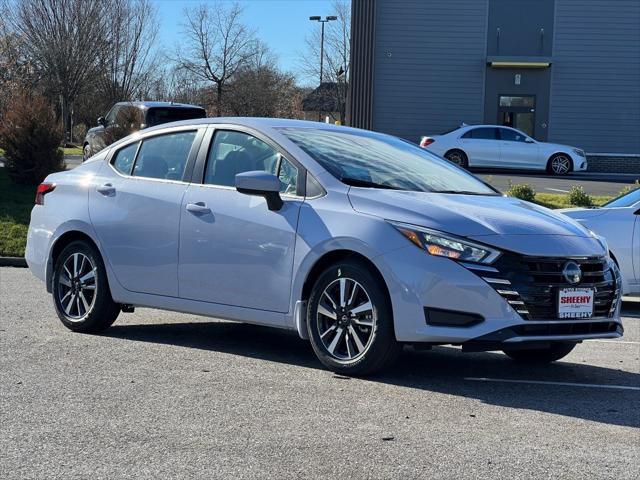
x: 625, y: 200
x: 124, y: 158
x: 512, y: 135
x: 369, y: 159
x: 165, y: 156
x: 237, y: 152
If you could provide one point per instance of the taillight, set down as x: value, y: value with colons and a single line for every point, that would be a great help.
x: 43, y: 189
x: 426, y: 141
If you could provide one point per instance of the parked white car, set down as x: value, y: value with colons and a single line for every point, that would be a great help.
x: 495, y: 146
x: 619, y: 223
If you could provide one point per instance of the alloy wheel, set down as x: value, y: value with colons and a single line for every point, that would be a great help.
x: 77, y: 286
x: 345, y: 319
x: 456, y: 158
x: 560, y: 165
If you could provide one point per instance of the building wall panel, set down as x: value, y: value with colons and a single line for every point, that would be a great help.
x: 595, y: 86
x: 429, y: 65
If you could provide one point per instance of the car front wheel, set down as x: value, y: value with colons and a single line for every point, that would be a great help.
x: 554, y: 352
x: 81, y: 291
x: 86, y: 153
x: 560, y: 164
x: 350, y: 320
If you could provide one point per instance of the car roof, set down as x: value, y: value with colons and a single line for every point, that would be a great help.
x: 145, y: 105
x: 257, y: 122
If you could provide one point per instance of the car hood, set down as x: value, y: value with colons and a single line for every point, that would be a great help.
x: 504, y: 222
x: 95, y: 129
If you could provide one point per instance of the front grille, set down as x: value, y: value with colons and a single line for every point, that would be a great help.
x: 530, y: 284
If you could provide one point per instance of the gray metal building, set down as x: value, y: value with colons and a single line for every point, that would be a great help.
x: 566, y: 71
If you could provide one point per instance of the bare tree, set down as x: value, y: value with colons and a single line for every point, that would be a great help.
x: 217, y: 45
x: 66, y: 39
x: 260, y: 89
x: 337, y: 41
x: 131, y: 59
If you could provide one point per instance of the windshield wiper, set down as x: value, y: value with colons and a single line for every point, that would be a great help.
x: 357, y: 182
x: 464, y: 192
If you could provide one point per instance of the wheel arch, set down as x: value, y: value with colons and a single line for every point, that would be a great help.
x: 320, y: 265
x: 60, y: 243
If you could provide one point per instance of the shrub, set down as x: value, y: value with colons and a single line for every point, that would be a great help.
x: 579, y: 198
x: 522, y: 191
x: 30, y: 136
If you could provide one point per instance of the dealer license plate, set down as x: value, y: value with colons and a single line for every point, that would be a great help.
x: 575, y: 303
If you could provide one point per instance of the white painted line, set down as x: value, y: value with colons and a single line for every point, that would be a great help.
x: 614, y: 341
x: 540, y: 382
x: 557, y: 190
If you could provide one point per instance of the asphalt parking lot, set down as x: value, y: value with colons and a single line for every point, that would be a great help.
x: 165, y: 395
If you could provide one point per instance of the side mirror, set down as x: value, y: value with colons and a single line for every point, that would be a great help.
x: 262, y: 184
x: 101, y: 121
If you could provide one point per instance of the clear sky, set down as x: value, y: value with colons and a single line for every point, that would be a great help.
x: 282, y: 24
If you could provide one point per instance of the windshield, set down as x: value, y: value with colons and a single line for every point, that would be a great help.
x: 625, y: 200
x: 368, y: 159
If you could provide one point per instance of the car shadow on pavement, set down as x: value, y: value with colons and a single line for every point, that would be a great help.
x: 444, y: 370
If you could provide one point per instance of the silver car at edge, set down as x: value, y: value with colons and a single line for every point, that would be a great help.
x: 359, y: 241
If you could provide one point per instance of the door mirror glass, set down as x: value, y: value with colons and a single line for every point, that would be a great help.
x: 262, y: 184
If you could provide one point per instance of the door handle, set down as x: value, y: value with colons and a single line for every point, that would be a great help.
x: 107, y: 190
x: 198, y: 208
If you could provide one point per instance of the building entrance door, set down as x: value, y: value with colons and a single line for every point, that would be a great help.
x: 518, y: 112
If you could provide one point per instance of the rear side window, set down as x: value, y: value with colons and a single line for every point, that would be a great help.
x: 483, y: 133
x: 165, y: 156
x: 125, y: 157
x: 157, y: 116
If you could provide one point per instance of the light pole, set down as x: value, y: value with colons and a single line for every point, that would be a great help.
x: 324, y: 20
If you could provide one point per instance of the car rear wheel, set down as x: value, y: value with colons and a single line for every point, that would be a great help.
x: 560, y: 164
x: 458, y: 157
x: 350, y: 320
x: 554, y: 352
x: 86, y: 152
x: 81, y: 291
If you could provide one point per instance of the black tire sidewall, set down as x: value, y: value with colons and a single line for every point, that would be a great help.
x: 104, y: 311
x: 384, y: 347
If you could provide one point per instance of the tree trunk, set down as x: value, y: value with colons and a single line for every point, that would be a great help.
x: 219, y: 99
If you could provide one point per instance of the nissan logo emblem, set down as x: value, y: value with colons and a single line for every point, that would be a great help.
x: 571, y: 272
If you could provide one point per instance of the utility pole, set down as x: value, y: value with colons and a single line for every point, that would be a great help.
x: 324, y: 20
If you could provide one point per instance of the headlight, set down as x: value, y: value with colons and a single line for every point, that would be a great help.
x: 579, y: 152
x: 446, y: 245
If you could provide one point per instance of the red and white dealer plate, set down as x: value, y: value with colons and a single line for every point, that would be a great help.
x: 575, y: 302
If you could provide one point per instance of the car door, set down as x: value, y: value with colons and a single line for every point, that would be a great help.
x: 136, y: 205
x: 636, y: 248
x: 517, y: 150
x: 233, y: 249
x: 481, y: 146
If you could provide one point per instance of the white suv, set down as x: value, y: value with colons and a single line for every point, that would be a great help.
x: 496, y: 146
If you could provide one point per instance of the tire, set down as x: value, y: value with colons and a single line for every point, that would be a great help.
x: 83, y: 305
x: 560, y: 164
x: 355, y: 341
x: 457, y: 157
x: 86, y: 153
x: 541, y: 355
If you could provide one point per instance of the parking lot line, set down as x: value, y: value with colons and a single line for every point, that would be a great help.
x: 557, y: 190
x: 625, y: 342
x: 541, y: 382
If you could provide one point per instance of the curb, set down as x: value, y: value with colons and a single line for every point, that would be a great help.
x: 13, y: 262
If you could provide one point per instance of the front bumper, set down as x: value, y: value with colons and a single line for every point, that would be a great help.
x: 418, y: 281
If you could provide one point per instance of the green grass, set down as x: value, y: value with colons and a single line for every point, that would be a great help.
x: 72, y: 150
x: 560, y: 200
x: 16, y: 202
